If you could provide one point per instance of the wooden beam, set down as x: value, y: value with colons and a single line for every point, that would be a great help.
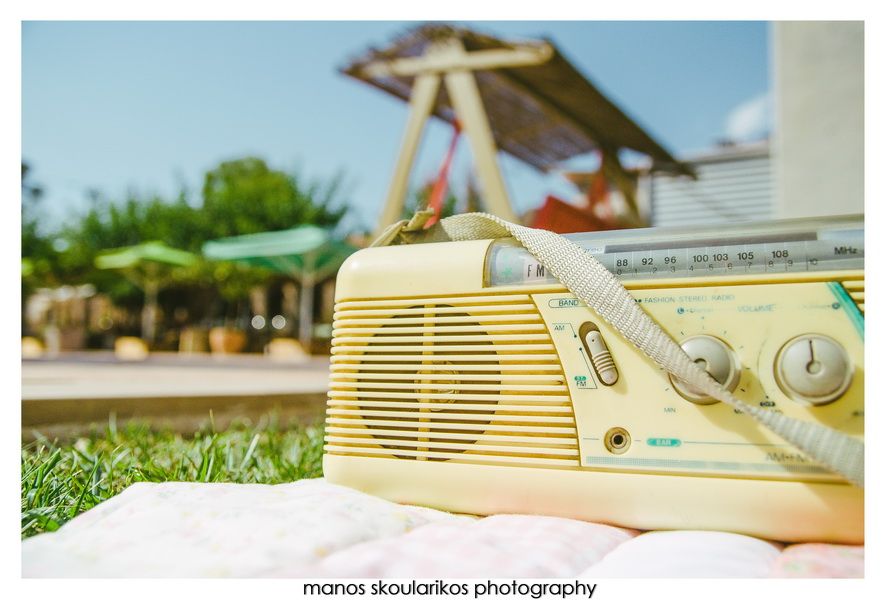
x: 424, y: 94
x: 464, y: 93
x: 625, y: 182
x: 551, y: 107
x: 479, y: 60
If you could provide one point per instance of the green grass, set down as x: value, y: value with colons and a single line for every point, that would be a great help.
x: 61, y: 480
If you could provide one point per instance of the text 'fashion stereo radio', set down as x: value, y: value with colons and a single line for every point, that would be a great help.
x: 464, y: 377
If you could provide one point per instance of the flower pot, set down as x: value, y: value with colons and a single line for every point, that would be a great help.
x: 193, y: 340
x: 130, y: 348
x: 226, y: 340
x: 285, y: 349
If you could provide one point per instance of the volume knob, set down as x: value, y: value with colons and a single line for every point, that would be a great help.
x: 714, y: 356
x: 813, y: 369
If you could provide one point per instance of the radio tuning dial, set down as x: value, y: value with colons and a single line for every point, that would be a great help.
x: 717, y: 358
x: 813, y: 369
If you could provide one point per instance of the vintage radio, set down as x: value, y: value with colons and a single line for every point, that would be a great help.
x: 465, y: 378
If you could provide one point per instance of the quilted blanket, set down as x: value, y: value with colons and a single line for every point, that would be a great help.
x: 315, y: 529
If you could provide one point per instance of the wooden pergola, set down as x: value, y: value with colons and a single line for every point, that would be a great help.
x: 523, y: 98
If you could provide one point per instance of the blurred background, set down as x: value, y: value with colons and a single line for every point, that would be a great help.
x: 190, y: 189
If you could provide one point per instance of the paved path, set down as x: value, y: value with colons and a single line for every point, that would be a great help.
x: 100, y: 376
x: 174, y: 390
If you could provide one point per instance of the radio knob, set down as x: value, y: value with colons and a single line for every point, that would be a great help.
x: 717, y: 358
x: 813, y: 369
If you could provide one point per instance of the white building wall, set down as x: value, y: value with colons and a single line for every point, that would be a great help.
x: 818, y: 139
x: 734, y: 184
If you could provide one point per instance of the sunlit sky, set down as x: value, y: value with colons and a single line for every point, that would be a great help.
x: 148, y: 107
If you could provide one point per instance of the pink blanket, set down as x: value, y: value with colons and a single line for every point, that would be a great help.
x: 316, y: 529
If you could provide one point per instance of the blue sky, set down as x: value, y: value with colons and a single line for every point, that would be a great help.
x: 151, y: 106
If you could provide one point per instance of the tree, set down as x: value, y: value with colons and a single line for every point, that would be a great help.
x: 246, y: 196
x: 238, y: 197
x: 37, y: 247
x: 107, y: 225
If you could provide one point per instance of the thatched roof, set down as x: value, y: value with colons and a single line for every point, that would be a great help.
x: 542, y: 114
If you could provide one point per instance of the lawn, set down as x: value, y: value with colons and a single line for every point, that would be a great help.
x: 61, y: 480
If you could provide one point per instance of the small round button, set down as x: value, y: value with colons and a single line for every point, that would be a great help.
x: 813, y: 369
x: 714, y: 356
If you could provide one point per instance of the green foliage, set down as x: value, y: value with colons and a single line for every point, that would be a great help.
x: 238, y: 197
x: 108, y: 225
x: 59, y: 481
x: 245, y: 196
x: 234, y: 281
x: 37, y: 247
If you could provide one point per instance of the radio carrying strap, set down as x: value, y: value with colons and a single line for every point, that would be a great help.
x: 585, y: 277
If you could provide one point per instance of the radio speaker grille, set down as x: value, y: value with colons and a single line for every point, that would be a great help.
x: 471, y: 379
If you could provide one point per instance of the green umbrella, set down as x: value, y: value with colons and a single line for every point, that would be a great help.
x: 148, y: 252
x: 143, y: 264
x: 307, y: 253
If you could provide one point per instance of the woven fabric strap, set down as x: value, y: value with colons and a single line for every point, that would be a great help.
x: 591, y: 282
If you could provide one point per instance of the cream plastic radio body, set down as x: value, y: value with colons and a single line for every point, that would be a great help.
x: 449, y: 393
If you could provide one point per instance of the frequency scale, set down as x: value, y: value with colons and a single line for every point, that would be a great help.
x: 802, y: 245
